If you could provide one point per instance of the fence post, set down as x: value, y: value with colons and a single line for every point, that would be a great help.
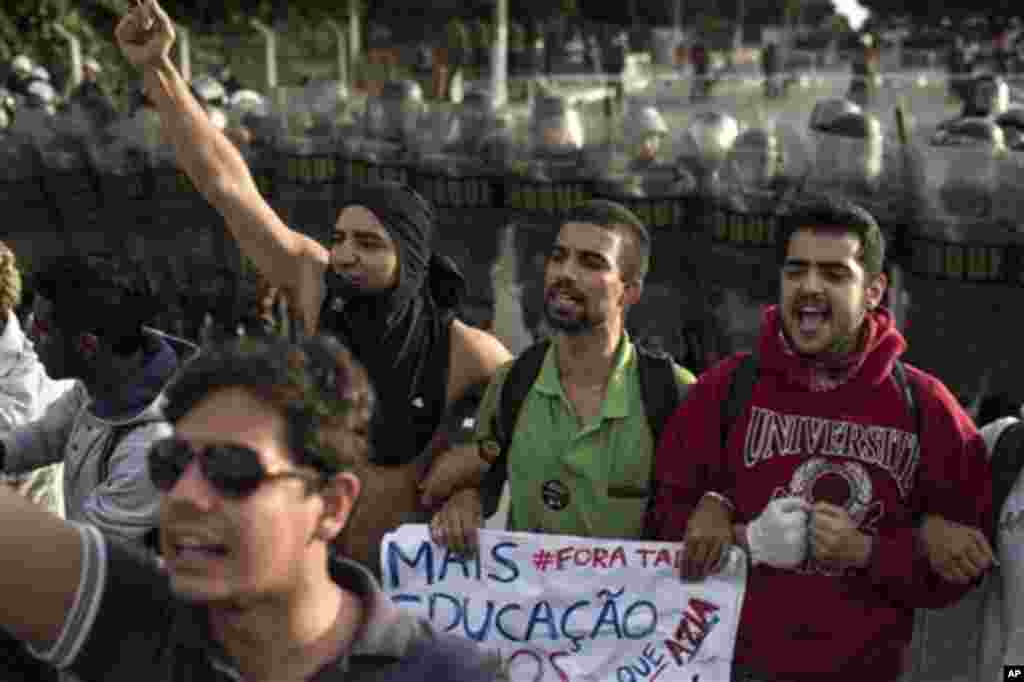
x: 343, y: 63
x: 271, y: 52
x: 184, y: 53
x: 75, y: 47
x: 354, y: 42
x: 499, y: 55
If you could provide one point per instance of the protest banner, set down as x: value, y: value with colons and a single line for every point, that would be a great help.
x: 568, y: 608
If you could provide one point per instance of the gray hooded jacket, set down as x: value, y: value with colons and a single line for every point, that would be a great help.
x: 110, y: 489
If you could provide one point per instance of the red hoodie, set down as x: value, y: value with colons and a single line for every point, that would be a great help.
x: 855, y: 446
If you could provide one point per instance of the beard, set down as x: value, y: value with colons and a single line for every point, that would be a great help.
x: 572, y: 325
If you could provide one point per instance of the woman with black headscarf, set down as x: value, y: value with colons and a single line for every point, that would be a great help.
x: 378, y: 287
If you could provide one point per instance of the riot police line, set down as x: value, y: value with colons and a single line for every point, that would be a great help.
x: 80, y: 194
x: 711, y: 191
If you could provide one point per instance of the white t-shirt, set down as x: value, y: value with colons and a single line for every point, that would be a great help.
x: 1002, y: 641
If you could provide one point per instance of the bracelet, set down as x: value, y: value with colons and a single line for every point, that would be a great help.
x: 460, y: 420
x: 721, y: 498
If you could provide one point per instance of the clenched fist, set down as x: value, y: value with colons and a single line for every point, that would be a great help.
x: 958, y: 553
x: 836, y: 540
x: 145, y: 34
x: 708, y: 538
x: 458, y: 523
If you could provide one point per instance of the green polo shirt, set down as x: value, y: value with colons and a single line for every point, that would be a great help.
x: 568, y: 478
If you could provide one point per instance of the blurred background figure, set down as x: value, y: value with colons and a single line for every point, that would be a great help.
x: 958, y: 67
x: 25, y: 388
x: 7, y: 106
x: 865, y: 76
x: 997, y: 406
x: 20, y: 75
x: 89, y: 101
x: 211, y: 94
x: 556, y: 128
x: 554, y: 149
x: 849, y: 153
x: 964, y: 163
x: 33, y: 120
x: 479, y: 130
x: 229, y: 80
x: 988, y: 96
x: 1011, y: 122
x: 706, y: 146
x: 700, y: 57
x: 457, y: 55
x: 754, y: 172
x: 770, y: 71
x: 645, y: 131
x: 395, y: 116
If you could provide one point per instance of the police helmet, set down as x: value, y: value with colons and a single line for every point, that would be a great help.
x: 249, y: 102
x: 41, y: 94
x: 827, y: 110
x: 22, y: 66
x: 711, y: 135
x: 210, y: 91
x: 989, y: 95
x: 757, y: 153
x: 971, y: 132
x: 554, y: 117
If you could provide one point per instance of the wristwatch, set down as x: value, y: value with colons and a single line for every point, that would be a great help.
x: 489, y: 449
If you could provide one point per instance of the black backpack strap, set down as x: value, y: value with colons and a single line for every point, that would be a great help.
x: 117, y: 434
x: 518, y: 381
x: 909, y: 390
x: 661, y: 393
x: 1007, y: 459
x: 741, y: 387
x: 514, y: 389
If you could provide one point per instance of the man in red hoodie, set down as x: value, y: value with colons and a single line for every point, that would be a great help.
x: 822, y: 477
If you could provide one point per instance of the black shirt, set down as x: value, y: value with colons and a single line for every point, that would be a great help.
x: 126, y: 624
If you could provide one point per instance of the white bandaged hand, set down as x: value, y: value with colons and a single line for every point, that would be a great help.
x: 778, y: 537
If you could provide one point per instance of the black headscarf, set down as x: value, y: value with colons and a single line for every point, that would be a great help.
x: 400, y: 335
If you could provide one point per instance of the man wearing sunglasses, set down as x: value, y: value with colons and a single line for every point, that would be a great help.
x: 89, y: 324
x: 261, y: 474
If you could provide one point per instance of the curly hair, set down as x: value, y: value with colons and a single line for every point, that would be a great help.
x: 322, y: 391
x: 102, y: 293
x: 10, y: 280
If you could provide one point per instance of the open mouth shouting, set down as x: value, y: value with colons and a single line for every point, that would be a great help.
x: 812, y: 318
x: 564, y: 302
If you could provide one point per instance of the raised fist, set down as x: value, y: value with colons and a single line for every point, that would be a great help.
x: 145, y: 34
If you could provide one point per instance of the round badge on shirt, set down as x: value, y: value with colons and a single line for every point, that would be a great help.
x: 555, y: 495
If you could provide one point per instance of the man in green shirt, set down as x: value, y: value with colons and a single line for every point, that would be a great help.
x: 579, y: 458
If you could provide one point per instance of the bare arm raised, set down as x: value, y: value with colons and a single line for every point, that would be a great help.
x: 287, y: 258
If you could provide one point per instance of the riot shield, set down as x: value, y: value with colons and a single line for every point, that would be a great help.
x: 125, y: 186
x: 963, y: 178
x: 306, y: 185
x: 72, y: 187
x: 765, y: 168
x: 184, y: 229
x: 31, y: 224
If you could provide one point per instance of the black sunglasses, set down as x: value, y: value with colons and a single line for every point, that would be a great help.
x: 233, y: 470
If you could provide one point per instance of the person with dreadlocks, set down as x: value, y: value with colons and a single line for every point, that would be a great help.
x: 378, y: 287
